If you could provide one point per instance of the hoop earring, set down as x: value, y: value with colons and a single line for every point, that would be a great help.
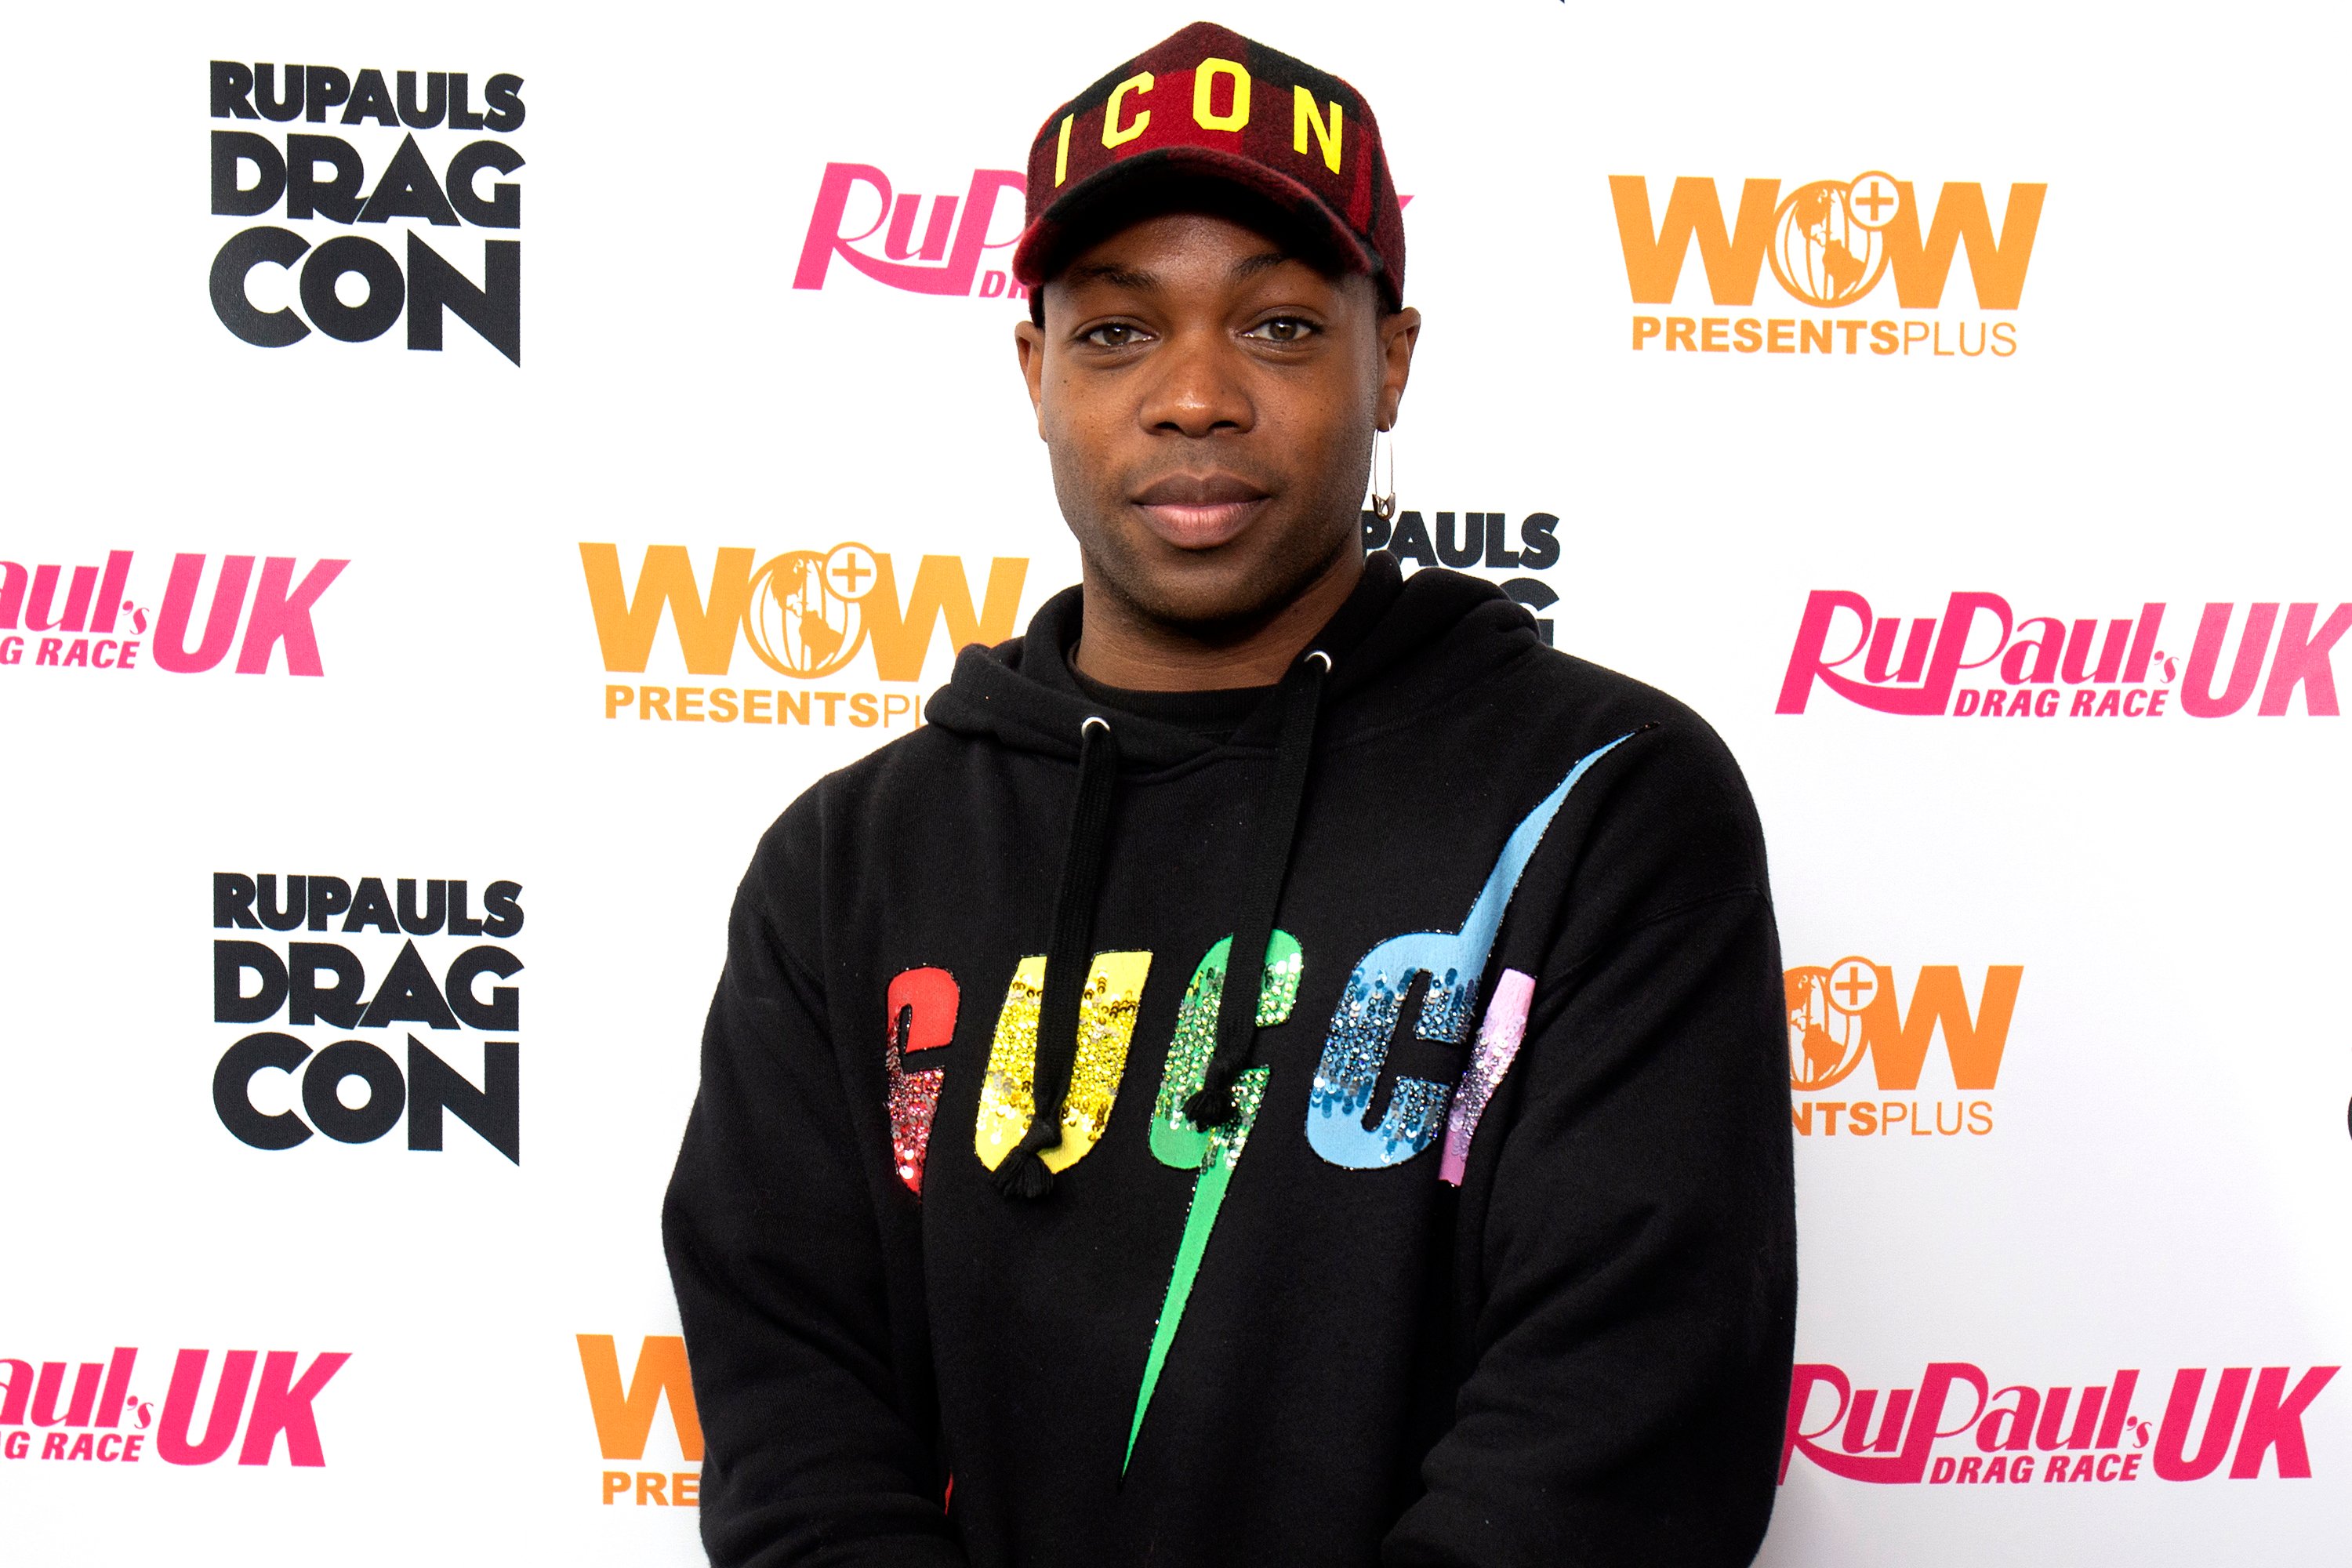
x: 1384, y: 503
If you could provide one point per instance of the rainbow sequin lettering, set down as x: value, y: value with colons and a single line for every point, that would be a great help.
x: 1356, y: 1049
x: 1176, y: 1141
x: 1008, y: 1095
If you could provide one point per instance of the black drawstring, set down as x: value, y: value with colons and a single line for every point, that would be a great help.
x: 1301, y: 696
x: 1068, y: 959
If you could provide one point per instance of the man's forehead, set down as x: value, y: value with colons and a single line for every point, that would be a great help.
x: 1151, y: 250
x: 1148, y: 264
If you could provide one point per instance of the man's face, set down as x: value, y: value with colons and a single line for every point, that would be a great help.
x: 1209, y: 402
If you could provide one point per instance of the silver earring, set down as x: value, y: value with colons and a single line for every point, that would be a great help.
x: 1384, y: 505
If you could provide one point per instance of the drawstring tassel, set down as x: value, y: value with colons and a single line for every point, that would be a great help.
x: 1022, y: 1173
x: 1211, y: 1105
x: 1204, y: 1112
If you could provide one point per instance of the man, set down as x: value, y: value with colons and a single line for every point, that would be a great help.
x: 1285, y: 1068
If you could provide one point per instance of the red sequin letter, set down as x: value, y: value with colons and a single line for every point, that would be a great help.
x: 922, y: 1016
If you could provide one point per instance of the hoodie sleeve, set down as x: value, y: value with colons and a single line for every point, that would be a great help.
x: 776, y: 1251
x: 1626, y: 1272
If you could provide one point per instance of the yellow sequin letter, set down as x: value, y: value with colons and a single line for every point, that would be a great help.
x: 1008, y: 1094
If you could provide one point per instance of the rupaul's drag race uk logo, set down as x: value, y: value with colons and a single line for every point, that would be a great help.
x: 923, y: 245
x: 342, y: 273
x: 98, y: 618
x: 1980, y: 660
x: 1828, y: 244
x: 1955, y: 1428
x: 807, y: 615
x: 92, y: 1413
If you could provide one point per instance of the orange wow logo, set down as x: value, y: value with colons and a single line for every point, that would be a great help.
x: 624, y: 1410
x: 1826, y: 1037
x: 807, y: 615
x: 1843, y: 1012
x: 1830, y: 244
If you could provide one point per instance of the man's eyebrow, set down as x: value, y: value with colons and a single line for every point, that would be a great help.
x: 1264, y: 261
x: 1134, y: 279
x: 1140, y: 280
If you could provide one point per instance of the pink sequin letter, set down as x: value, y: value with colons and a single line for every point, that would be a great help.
x: 922, y: 1016
x: 1499, y: 1034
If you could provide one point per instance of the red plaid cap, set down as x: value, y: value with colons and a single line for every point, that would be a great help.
x: 1207, y: 102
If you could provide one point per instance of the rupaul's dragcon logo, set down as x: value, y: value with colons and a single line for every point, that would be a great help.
x: 1481, y: 540
x: 351, y: 191
x: 361, y: 996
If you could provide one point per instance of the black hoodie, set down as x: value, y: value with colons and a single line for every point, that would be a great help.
x: 1538, y: 1310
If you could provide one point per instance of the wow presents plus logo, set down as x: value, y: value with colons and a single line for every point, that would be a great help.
x: 1979, y: 659
x: 923, y: 245
x: 1828, y: 245
x: 623, y: 1409
x: 342, y: 273
x: 94, y: 1413
x: 338, y: 960
x: 1955, y: 1428
x: 806, y: 614
x: 1850, y: 1011
x: 106, y: 618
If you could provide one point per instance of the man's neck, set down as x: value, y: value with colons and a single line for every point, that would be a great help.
x: 1119, y: 647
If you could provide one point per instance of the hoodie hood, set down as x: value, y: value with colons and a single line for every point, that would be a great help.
x: 1436, y: 630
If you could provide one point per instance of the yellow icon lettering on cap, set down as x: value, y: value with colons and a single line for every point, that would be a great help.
x: 1304, y: 114
x: 1113, y: 132
x: 1204, y: 88
x: 1062, y: 151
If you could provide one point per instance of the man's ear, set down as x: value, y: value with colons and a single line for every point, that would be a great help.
x: 1029, y: 344
x: 1399, y: 333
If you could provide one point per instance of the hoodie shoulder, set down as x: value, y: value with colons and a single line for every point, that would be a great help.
x: 1673, y: 812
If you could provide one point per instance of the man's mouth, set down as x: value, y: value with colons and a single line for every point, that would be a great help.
x: 1200, y: 511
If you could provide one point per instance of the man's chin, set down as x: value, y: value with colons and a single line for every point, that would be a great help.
x: 1213, y: 595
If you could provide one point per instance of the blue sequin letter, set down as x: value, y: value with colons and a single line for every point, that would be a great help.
x: 1356, y: 1049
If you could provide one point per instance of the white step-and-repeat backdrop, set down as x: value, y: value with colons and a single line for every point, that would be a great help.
x: 468, y: 467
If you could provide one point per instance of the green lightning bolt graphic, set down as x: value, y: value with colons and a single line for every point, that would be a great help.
x: 1214, y: 1153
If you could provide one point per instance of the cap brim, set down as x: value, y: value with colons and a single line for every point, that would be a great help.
x: 1041, y: 250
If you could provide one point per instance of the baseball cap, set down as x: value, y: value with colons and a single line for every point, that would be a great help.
x: 1207, y: 106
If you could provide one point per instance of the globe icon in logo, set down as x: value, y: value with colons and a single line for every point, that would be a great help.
x: 1824, y: 252
x: 1826, y: 1038
x: 806, y: 616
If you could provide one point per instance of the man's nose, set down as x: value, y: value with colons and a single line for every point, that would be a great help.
x: 1197, y: 387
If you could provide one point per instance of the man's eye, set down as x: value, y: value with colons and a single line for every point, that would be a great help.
x: 1113, y: 335
x: 1283, y: 329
